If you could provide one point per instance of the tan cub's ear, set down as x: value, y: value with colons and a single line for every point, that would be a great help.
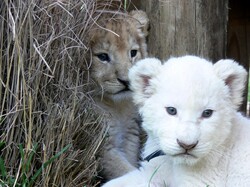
x: 141, y: 77
x: 141, y: 19
x: 234, y: 76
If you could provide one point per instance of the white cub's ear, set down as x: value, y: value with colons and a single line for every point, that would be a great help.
x: 141, y: 76
x: 234, y: 76
x: 142, y: 20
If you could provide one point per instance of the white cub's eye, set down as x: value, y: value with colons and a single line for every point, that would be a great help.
x: 207, y: 113
x: 171, y: 110
x: 103, y: 57
x: 133, y: 53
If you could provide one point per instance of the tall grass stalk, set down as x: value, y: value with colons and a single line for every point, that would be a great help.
x: 45, y: 100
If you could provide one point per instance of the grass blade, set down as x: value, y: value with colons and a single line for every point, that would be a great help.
x: 38, y: 172
x: 2, y: 168
x: 28, y: 164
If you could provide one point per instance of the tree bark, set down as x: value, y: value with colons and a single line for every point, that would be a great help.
x: 180, y: 27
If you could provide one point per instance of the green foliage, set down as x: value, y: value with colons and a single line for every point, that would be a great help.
x: 22, y: 178
x: 125, y: 4
x: 156, y: 170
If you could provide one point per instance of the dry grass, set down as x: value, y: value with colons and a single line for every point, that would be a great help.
x: 43, y: 72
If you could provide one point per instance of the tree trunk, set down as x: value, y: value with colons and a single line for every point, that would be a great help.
x: 180, y: 27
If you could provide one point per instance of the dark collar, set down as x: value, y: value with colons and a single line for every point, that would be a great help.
x: 154, y: 154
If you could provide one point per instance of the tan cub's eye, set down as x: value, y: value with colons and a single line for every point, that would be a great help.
x: 207, y: 113
x: 171, y: 111
x: 133, y: 53
x: 103, y: 57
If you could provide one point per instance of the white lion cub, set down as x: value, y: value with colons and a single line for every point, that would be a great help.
x: 189, y: 110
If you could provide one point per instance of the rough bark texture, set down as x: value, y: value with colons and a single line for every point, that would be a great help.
x: 180, y: 27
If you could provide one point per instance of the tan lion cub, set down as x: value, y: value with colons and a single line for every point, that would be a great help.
x: 117, y: 43
x: 189, y: 110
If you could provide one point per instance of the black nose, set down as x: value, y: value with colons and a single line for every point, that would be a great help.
x: 186, y: 146
x: 124, y: 82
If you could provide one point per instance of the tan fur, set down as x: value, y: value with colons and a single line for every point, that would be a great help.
x: 113, y: 44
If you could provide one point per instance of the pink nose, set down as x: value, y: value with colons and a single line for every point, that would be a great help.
x: 186, y: 146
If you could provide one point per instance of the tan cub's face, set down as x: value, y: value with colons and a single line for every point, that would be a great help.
x: 115, y: 48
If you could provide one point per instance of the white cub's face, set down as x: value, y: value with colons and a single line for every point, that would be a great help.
x: 185, y: 105
x: 186, y: 109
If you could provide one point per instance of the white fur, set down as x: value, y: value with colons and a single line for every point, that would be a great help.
x: 191, y: 85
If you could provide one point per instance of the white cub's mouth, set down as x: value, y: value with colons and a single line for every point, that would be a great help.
x: 185, y: 157
x: 185, y: 154
x: 186, y: 149
x: 182, y: 153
